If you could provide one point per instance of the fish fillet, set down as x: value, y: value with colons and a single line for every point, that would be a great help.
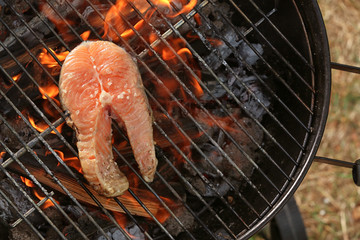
x: 99, y: 81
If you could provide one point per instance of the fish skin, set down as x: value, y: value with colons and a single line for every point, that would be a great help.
x: 99, y: 81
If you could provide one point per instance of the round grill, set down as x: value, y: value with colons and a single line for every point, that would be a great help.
x: 239, y: 92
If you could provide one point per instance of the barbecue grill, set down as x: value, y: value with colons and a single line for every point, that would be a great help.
x: 239, y: 92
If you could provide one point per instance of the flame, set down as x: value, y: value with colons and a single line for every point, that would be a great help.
x: 16, y: 77
x: 59, y: 22
x: 85, y: 35
x: 29, y: 183
x: 40, y: 127
x: 115, y: 25
x: 2, y: 155
x: 186, y: 9
x: 121, y: 219
x: 128, y: 33
x: 212, y: 41
x: 51, y: 90
x: 48, y: 60
x: 48, y: 203
x: 70, y: 161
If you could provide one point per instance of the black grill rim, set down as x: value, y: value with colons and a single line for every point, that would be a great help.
x: 319, y: 46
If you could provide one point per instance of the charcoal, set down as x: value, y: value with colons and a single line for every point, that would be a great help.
x: 248, y: 55
x: 131, y: 228
x: 222, y: 234
x: 23, y: 32
x: 22, y: 232
x: 20, y: 127
x: 184, y: 216
x: 220, y: 52
x: 8, y: 213
x: 216, y: 158
x: 17, y: 98
x: 59, y: 221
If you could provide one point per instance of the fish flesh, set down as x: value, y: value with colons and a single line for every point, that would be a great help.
x: 99, y: 81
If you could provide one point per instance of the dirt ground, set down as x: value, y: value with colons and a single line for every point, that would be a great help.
x: 328, y: 198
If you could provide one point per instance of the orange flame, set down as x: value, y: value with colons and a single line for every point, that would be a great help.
x: 130, y: 32
x: 16, y: 77
x: 2, y: 154
x: 121, y: 219
x: 51, y: 90
x: 40, y: 127
x: 85, y: 35
x: 70, y: 161
x: 186, y: 9
x: 48, y: 60
x: 29, y: 183
x: 48, y: 203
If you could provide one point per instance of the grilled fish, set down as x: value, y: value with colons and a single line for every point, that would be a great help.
x: 100, y: 81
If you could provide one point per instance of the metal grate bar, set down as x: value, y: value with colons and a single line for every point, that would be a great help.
x: 68, y: 169
x: 217, y: 79
x: 90, y: 193
x: 238, y: 78
x: 58, y: 158
x: 155, y: 194
x: 214, y: 98
x: 272, y: 47
x: 126, y: 44
x: 31, y: 143
x: 29, y: 150
x: 32, y: 202
x: 282, y: 35
x: 4, y: 196
x: 203, y: 155
x: 242, y: 36
x: 189, y: 115
x: 47, y: 25
x: 37, y: 61
x: 31, y: 210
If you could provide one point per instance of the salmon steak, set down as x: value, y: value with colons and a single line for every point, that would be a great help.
x: 99, y: 81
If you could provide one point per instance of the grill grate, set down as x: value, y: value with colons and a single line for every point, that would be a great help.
x: 257, y: 195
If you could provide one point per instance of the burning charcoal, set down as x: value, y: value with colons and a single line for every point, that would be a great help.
x: 22, y: 232
x: 185, y: 218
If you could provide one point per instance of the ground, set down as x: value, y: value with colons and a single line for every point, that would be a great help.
x: 328, y: 198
